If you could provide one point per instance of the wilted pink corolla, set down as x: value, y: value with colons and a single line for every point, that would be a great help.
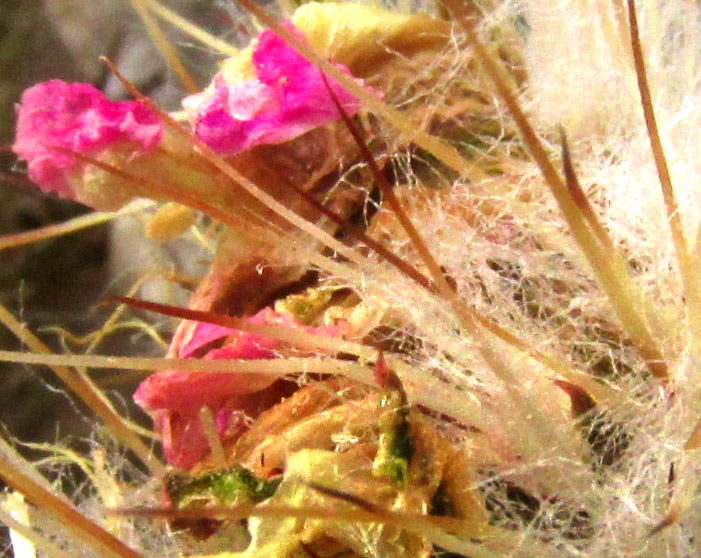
x: 76, y: 117
x: 287, y: 98
x: 175, y: 398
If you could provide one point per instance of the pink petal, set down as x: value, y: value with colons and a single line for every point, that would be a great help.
x: 175, y: 398
x: 188, y: 392
x: 203, y: 334
x: 287, y: 99
x: 78, y: 117
x: 184, y: 442
x: 181, y: 437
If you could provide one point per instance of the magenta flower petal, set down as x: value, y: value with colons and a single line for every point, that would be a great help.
x: 77, y: 117
x: 203, y: 335
x: 184, y: 443
x: 287, y: 99
x: 175, y: 398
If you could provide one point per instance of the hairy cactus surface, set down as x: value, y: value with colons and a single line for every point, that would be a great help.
x: 450, y: 298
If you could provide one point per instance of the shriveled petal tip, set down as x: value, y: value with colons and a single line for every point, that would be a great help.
x: 76, y: 117
x: 287, y: 99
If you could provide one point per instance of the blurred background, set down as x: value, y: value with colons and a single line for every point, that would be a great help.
x: 61, y: 281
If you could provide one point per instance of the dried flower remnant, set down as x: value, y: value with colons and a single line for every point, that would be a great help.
x: 286, y: 99
x: 76, y: 117
x: 316, y: 449
x: 269, y: 93
x: 175, y: 398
